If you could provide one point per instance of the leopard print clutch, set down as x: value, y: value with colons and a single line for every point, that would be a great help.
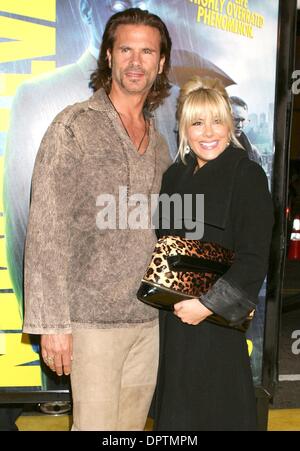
x: 182, y: 269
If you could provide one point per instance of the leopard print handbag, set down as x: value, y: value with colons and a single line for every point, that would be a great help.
x: 182, y: 269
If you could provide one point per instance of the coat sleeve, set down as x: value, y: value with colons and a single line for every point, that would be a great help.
x: 235, y: 294
x: 47, y: 249
x: 26, y: 129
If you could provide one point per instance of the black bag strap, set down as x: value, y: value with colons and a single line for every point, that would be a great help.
x: 196, y: 264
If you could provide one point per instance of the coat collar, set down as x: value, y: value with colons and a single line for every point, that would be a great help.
x: 216, y: 180
x: 100, y: 102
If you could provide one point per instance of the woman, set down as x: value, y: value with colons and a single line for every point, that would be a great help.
x: 205, y: 380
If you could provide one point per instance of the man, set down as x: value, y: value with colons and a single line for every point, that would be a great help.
x: 81, y: 276
x: 240, y: 118
x: 37, y: 102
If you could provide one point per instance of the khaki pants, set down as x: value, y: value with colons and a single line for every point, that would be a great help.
x: 113, y: 377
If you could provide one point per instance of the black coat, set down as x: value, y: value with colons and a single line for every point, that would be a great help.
x: 238, y: 214
x: 204, y: 379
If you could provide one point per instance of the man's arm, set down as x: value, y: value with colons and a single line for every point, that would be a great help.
x: 57, y: 352
x: 47, y: 251
x: 26, y: 129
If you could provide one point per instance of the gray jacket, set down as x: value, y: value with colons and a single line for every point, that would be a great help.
x: 78, y: 274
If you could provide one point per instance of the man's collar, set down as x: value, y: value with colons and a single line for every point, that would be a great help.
x: 100, y: 101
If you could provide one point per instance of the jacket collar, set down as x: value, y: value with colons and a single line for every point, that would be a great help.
x: 100, y: 102
x: 216, y: 180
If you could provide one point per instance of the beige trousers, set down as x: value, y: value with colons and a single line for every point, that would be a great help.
x: 113, y: 377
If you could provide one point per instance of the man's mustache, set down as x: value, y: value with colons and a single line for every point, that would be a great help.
x: 134, y: 68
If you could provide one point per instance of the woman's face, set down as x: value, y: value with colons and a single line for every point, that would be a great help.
x: 208, y: 137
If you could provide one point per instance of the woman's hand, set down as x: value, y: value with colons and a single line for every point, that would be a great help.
x: 57, y: 350
x: 191, y: 311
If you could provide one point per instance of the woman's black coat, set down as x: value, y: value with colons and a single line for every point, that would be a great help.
x: 238, y: 214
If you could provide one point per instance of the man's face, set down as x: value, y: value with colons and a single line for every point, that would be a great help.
x: 135, y: 59
x: 240, y: 116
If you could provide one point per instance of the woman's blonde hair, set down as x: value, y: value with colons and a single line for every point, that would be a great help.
x: 201, y: 97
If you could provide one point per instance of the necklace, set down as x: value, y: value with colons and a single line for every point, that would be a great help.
x: 125, y: 128
x: 126, y: 158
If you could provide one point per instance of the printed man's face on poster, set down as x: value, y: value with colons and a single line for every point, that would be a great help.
x: 96, y: 13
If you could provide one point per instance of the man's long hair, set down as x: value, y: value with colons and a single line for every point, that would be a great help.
x: 101, y: 78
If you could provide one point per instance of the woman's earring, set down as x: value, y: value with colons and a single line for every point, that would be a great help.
x: 187, y: 149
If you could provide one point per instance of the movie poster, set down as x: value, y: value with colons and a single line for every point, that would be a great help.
x: 48, y: 50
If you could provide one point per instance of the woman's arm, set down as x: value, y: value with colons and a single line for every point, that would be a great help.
x: 234, y: 294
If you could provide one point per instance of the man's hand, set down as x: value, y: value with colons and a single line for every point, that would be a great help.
x: 191, y: 311
x: 57, y: 352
